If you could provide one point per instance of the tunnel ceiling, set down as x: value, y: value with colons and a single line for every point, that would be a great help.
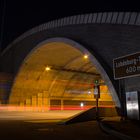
x: 70, y: 73
x: 60, y: 57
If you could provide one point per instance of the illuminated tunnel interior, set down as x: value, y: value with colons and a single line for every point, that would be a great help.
x: 58, y: 76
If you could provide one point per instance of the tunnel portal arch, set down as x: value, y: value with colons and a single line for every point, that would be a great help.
x: 42, y: 48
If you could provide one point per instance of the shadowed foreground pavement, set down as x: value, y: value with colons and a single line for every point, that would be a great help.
x: 39, y: 130
x: 124, y: 127
x: 44, y: 126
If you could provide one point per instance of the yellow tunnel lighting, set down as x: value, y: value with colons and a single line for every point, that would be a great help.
x: 85, y: 56
x: 81, y: 104
x: 47, y: 68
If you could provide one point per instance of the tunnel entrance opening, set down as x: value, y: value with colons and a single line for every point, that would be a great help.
x: 59, y: 74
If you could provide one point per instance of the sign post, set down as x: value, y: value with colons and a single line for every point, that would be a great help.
x: 97, y: 96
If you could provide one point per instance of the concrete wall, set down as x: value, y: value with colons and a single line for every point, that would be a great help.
x: 6, y: 80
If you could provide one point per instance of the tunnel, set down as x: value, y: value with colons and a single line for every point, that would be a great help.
x: 60, y: 74
x: 54, y: 66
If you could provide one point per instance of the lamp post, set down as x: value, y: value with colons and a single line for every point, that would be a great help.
x: 97, y: 96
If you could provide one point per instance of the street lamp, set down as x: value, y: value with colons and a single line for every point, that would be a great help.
x: 97, y: 96
x: 85, y: 56
x: 47, y: 68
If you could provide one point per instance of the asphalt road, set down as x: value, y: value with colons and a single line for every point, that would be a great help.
x: 34, y: 126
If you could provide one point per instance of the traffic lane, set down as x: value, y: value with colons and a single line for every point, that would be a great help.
x: 51, y: 131
x: 28, y: 115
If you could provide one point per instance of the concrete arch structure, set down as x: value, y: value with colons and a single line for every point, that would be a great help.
x: 105, y: 35
x: 44, y: 50
x: 122, y: 18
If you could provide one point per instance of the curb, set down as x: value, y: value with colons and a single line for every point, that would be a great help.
x: 112, y: 132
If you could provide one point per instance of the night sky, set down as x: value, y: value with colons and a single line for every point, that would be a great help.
x: 22, y: 15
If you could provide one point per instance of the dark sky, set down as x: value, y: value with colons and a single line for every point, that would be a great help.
x: 21, y: 15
